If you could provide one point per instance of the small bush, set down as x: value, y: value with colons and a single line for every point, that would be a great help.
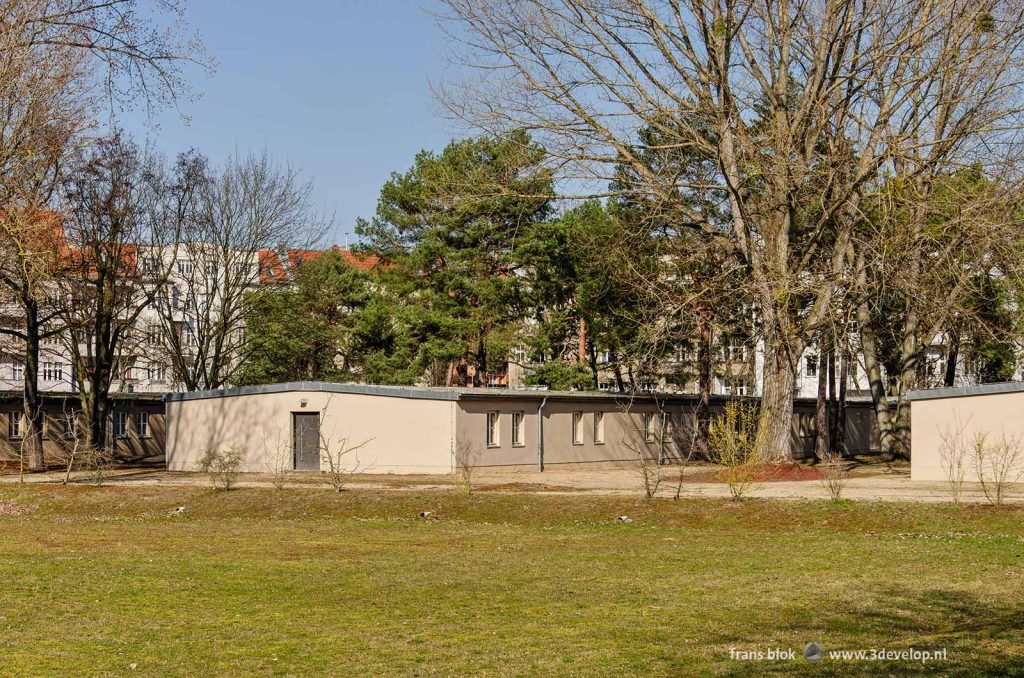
x: 998, y: 465
x: 97, y: 463
x: 222, y: 466
x: 466, y: 458
x: 834, y: 474
x: 731, y: 445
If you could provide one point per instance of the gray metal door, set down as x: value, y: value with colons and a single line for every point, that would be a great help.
x: 306, y: 440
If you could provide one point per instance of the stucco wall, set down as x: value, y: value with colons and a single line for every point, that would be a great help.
x: 624, y: 437
x: 622, y: 433
x: 995, y: 414
x: 402, y: 435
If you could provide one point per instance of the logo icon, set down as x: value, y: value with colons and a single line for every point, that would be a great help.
x: 813, y: 652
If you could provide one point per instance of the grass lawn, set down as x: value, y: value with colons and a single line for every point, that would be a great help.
x: 310, y: 582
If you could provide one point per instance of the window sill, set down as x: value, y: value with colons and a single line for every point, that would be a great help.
x: 578, y: 444
x: 518, y: 444
x: 493, y: 447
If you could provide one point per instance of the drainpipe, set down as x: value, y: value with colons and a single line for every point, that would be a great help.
x: 540, y: 434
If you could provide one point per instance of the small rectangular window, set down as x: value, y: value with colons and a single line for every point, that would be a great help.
x: 811, y: 370
x: 142, y: 424
x: 15, y: 425
x: 493, y: 430
x: 518, y: 429
x: 577, y: 428
x: 17, y: 370
x: 649, y: 427
x: 120, y: 424
x: 599, y: 428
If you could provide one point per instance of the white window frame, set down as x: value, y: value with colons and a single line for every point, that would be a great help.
x: 494, y: 429
x: 599, y: 428
x: 120, y: 424
x: 142, y: 424
x: 649, y: 427
x: 15, y: 425
x: 811, y: 365
x: 577, y: 428
x: 17, y: 370
x: 519, y: 429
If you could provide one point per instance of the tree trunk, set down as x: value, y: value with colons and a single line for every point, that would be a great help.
x: 839, y: 440
x: 704, y: 367
x: 592, y: 358
x: 33, y: 434
x: 775, y: 423
x: 952, y: 355
x: 832, y: 409
x: 821, y: 414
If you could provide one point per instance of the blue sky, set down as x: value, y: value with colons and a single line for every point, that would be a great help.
x: 340, y: 89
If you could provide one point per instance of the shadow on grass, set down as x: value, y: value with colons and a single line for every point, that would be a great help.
x: 980, y: 637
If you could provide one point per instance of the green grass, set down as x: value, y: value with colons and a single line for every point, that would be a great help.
x: 309, y: 582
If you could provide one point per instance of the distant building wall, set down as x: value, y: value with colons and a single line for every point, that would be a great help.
x: 141, y: 432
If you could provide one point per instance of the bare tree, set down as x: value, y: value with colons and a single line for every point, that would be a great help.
x: 803, y: 106
x: 57, y: 57
x: 246, y: 217
x: 123, y: 219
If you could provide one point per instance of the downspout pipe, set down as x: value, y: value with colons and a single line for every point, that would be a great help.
x: 540, y: 434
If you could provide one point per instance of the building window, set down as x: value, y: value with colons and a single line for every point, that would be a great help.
x: 185, y: 267
x: 739, y: 387
x: 811, y: 369
x: 599, y: 428
x: 518, y: 429
x: 649, y: 427
x: 120, y: 424
x: 493, y: 430
x: 577, y: 428
x: 142, y: 424
x: 604, y: 386
x: 15, y: 425
x: 53, y: 372
x: 157, y: 374
x: 737, y: 351
x: 17, y: 370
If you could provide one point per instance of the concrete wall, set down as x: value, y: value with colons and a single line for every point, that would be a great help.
x: 995, y: 414
x: 624, y: 431
x: 402, y: 435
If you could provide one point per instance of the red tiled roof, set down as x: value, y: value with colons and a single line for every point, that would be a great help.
x: 363, y: 262
x: 271, y: 270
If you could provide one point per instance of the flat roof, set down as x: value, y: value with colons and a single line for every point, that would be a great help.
x: 962, y: 391
x: 449, y: 393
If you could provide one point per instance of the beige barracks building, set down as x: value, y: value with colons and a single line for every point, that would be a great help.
x: 420, y: 430
x: 946, y: 422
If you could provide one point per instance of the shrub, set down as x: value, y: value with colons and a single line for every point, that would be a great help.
x: 222, y: 465
x: 834, y: 474
x: 998, y: 465
x: 466, y: 458
x: 731, y: 444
